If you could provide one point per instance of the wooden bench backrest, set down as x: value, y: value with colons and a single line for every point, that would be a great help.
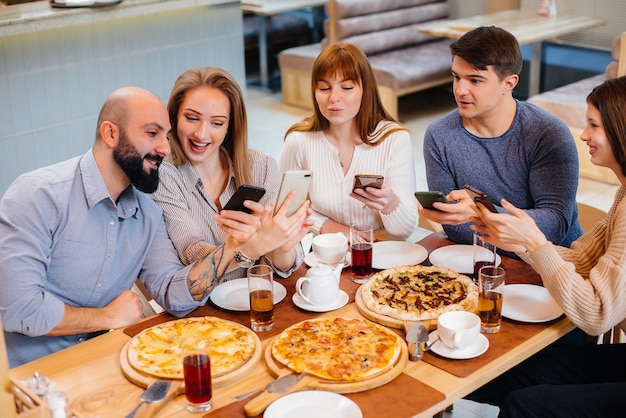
x: 621, y: 62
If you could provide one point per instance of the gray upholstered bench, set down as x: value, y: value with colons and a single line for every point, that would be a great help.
x: 404, y: 59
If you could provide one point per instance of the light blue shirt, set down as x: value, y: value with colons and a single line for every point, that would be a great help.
x: 64, y: 241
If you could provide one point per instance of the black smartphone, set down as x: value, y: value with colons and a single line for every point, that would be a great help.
x: 427, y: 199
x: 362, y: 181
x: 297, y: 181
x: 480, y: 197
x: 244, y: 192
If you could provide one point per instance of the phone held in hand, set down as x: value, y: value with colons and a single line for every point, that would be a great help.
x: 244, y: 192
x: 480, y: 197
x: 297, y: 181
x: 427, y: 199
x: 361, y: 181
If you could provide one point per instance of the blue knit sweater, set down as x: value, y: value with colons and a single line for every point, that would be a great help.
x: 534, y: 165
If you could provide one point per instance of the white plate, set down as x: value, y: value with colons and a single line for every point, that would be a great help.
x: 311, y: 260
x: 313, y: 404
x: 479, y: 347
x: 459, y: 258
x: 529, y: 303
x: 388, y: 254
x: 342, y: 299
x: 233, y: 294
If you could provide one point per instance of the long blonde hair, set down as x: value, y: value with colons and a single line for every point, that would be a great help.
x: 350, y: 63
x: 236, y: 141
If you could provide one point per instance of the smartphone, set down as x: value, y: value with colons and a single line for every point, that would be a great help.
x: 297, y: 181
x: 362, y: 181
x: 480, y: 197
x: 427, y: 199
x: 244, y: 192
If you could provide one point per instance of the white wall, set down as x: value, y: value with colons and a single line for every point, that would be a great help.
x: 53, y: 82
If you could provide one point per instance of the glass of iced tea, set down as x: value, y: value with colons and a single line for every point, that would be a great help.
x: 197, y: 373
x: 361, y: 244
x: 490, y: 287
x: 260, y: 286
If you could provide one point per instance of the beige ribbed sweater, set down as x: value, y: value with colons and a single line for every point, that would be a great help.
x: 589, y: 280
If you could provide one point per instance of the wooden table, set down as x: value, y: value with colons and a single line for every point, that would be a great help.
x: 90, y: 372
x: 265, y: 9
x: 528, y: 27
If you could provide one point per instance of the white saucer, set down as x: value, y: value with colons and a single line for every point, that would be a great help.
x: 342, y: 299
x: 311, y: 260
x: 479, y: 347
x: 233, y: 294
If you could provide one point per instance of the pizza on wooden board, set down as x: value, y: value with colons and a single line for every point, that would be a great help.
x: 419, y: 292
x: 337, y: 349
x: 156, y: 351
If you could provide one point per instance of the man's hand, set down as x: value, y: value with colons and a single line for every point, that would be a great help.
x: 451, y: 213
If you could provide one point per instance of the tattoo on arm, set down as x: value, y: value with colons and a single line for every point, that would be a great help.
x: 205, y: 275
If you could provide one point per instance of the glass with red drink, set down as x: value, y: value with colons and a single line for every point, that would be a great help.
x: 361, y: 246
x: 197, y: 373
x: 484, y: 255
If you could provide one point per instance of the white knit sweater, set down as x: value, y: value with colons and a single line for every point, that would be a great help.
x: 330, y: 189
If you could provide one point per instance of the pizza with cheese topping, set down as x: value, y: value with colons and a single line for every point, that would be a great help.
x: 419, y: 292
x: 337, y: 349
x: 156, y: 351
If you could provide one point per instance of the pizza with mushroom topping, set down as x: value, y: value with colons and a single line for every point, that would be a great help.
x: 419, y: 292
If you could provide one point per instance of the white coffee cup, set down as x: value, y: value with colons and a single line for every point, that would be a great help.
x: 458, y: 329
x: 330, y: 248
x: 319, y: 287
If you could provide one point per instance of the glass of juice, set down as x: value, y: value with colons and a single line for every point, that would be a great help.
x: 197, y: 373
x: 484, y: 255
x: 361, y: 244
x: 490, y: 287
x: 260, y: 286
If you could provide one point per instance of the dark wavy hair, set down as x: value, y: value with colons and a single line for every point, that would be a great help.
x: 490, y: 46
x: 610, y: 100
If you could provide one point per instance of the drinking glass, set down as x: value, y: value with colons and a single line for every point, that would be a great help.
x: 484, y: 254
x: 361, y: 244
x: 490, y: 287
x: 260, y: 286
x: 197, y: 373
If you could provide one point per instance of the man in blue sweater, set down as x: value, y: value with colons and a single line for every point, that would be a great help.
x: 507, y: 148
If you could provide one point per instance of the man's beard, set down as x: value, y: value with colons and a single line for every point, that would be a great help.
x: 131, y: 162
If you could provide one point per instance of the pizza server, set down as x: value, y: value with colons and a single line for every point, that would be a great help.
x: 154, y: 393
x: 416, y: 337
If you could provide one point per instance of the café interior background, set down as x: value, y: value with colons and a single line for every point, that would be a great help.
x: 53, y: 82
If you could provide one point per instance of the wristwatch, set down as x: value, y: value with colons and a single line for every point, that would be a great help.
x: 243, y: 260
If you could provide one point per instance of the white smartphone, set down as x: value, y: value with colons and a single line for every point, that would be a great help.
x: 297, y: 181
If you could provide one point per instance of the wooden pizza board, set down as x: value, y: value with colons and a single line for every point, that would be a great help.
x: 143, y: 379
x: 278, y: 369
x: 375, y: 316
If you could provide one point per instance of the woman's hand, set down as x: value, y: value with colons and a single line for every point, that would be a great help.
x: 514, y: 231
x: 382, y: 200
x: 240, y: 226
x: 279, y: 231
